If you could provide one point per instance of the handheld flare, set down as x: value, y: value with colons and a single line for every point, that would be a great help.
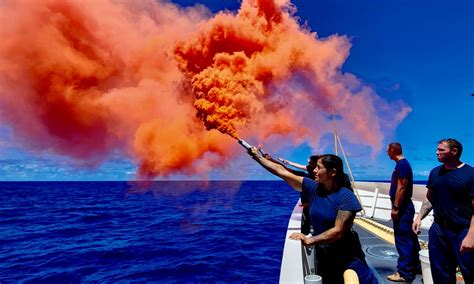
x: 245, y: 144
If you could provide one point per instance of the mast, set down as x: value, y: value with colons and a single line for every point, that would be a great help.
x: 335, y: 130
x: 337, y: 141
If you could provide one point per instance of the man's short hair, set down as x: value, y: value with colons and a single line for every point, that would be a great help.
x: 453, y: 143
x: 396, y: 147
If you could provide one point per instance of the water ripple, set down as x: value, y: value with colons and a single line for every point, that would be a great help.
x: 165, y: 232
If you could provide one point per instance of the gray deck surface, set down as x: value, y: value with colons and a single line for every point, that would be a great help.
x: 380, y: 255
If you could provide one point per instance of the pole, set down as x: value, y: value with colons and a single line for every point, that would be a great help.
x: 350, y: 173
x: 335, y: 130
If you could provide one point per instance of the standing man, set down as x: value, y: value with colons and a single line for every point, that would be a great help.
x: 451, y: 196
x: 403, y: 212
x: 312, y: 161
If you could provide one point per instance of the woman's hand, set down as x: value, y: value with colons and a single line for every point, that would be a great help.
x: 299, y: 236
x: 253, y: 152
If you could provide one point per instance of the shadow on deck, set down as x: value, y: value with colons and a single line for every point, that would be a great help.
x: 382, y: 256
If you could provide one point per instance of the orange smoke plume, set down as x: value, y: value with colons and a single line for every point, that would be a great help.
x: 236, y: 64
x: 86, y: 81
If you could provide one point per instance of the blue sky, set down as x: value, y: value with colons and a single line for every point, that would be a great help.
x: 421, y: 52
x: 426, y: 49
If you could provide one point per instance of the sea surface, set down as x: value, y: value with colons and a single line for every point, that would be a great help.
x: 162, y: 232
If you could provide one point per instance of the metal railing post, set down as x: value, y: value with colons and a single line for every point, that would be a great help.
x: 374, y: 204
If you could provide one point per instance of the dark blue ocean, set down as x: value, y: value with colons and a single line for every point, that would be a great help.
x: 166, y: 232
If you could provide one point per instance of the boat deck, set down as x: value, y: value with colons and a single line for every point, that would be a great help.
x: 380, y: 255
x: 377, y: 241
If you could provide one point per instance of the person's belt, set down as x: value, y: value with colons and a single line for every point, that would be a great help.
x: 450, y: 224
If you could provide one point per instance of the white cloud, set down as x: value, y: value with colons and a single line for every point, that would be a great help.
x: 422, y: 173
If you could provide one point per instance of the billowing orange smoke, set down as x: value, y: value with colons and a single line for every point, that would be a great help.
x: 89, y: 80
x: 262, y: 66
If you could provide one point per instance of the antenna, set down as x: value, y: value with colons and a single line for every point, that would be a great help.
x: 335, y: 130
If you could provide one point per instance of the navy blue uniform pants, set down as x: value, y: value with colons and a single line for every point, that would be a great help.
x: 333, y: 260
x: 444, y: 245
x: 406, y: 242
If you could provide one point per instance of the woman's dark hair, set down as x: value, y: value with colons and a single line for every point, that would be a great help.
x: 314, y: 158
x: 333, y: 162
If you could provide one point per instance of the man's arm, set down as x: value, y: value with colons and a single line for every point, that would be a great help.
x: 344, y: 221
x: 293, y: 180
x: 468, y: 242
x: 293, y: 164
x: 424, y: 211
x: 269, y: 157
x: 399, y: 195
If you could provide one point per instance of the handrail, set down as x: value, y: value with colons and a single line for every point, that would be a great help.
x: 292, y: 267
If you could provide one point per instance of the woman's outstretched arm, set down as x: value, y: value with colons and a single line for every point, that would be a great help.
x: 293, y: 180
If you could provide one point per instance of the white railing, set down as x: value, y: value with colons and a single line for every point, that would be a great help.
x: 375, y: 199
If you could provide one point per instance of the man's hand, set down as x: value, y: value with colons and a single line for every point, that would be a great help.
x: 467, y: 244
x: 416, y: 226
x: 267, y: 156
x: 395, y: 213
x: 283, y: 161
